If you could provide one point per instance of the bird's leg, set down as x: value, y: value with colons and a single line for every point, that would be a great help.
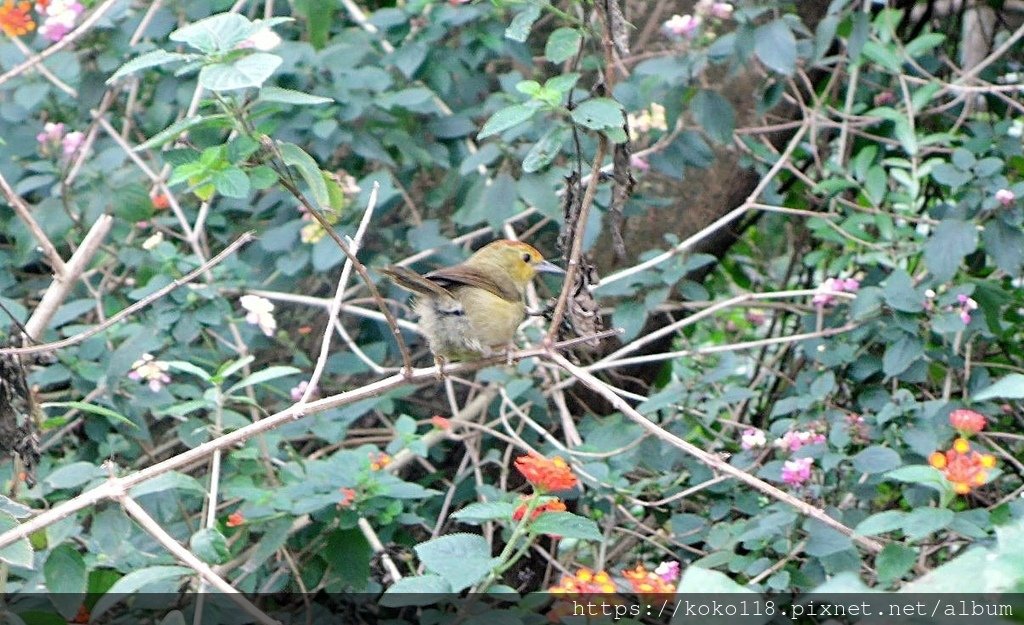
x: 510, y: 349
x: 440, y: 362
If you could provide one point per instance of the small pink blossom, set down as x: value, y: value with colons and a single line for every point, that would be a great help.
x: 1005, y: 197
x: 298, y: 391
x: 682, y: 26
x: 263, y: 40
x: 794, y: 440
x: 668, y: 570
x: 796, y: 472
x: 639, y: 163
x: 59, y: 18
x: 52, y: 133
x: 752, y: 438
x: 72, y: 142
x: 825, y: 292
x: 153, y: 371
x: 721, y: 10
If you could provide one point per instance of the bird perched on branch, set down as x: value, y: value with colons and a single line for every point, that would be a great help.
x: 473, y: 309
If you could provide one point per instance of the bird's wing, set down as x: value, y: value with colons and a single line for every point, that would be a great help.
x: 412, y: 281
x: 465, y: 275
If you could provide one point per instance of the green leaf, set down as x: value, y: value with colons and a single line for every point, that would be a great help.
x: 134, y: 582
x: 66, y: 578
x: 318, y: 16
x: 949, y: 175
x: 179, y: 127
x: 699, y: 580
x: 924, y: 43
x: 480, y: 512
x: 876, y: 459
x: 290, y: 96
x: 1005, y: 244
x: 264, y: 375
x: 461, y: 559
x: 920, y: 474
x: 73, y: 474
x: 599, y: 113
x: 13, y: 508
x: 883, y: 55
x: 149, y: 59
x: 18, y: 553
x: 168, y: 481
x: 881, y: 522
x: 546, y: 148
x: 951, y: 240
x: 251, y: 70
x: 232, y: 367
x: 231, y: 182
x: 775, y: 45
x: 521, y: 24
x: 923, y: 522
x: 714, y: 114
x: 566, y: 525
x: 296, y: 157
x: 1007, y: 387
x: 116, y: 417
x: 187, y: 367
x: 562, y: 44
x: 420, y: 590
x: 210, y: 545
x: 900, y: 355
x: 894, y: 562
x: 900, y: 293
x: 506, y: 118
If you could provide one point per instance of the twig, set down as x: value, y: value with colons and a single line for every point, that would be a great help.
x: 332, y: 314
x: 139, y: 305
x: 197, y: 454
x: 149, y: 524
x: 23, y: 211
x: 572, y: 266
x: 708, y: 459
x: 729, y: 217
x: 63, y: 282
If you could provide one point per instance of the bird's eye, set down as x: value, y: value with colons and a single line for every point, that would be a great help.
x: 527, y: 258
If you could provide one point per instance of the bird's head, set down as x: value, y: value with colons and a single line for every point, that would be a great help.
x: 519, y: 261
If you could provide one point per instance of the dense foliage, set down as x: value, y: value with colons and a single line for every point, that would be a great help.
x: 807, y: 224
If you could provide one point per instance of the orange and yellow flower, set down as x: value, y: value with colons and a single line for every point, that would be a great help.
x: 585, y: 582
x: 554, y: 505
x: 379, y: 460
x: 965, y: 469
x: 646, y: 583
x: 14, y: 18
x: 546, y: 475
x: 967, y: 422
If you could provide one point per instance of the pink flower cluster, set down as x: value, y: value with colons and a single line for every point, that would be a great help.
x: 1006, y: 197
x: 152, y: 371
x: 668, y: 570
x: 797, y: 471
x: 53, y: 136
x: 752, y: 438
x: 825, y: 293
x: 686, y: 26
x: 793, y: 440
x: 967, y: 306
x: 59, y: 17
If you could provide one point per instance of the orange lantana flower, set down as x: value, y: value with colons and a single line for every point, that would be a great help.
x: 967, y: 422
x: 585, y: 582
x: 646, y: 583
x: 14, y: 18
x: 965, y: 469
x: 549, y: 506
x: 235, y: 519
x: 379, y: 460
x: 348, y: 495
x: 546, y: 475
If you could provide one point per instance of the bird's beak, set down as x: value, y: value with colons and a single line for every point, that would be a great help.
x: 548, y: 267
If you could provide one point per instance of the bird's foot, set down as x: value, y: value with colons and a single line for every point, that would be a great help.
x: 440, y: 362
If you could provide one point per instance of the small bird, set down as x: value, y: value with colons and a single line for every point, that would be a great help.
x: 473, y: 309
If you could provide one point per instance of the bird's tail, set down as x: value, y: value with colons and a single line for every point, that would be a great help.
x: 412, y: 281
